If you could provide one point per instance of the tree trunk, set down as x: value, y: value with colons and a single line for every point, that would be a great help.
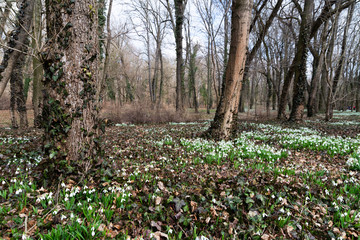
x: 297, y: 110
x: 71, y: 113
x: 4, y: 16
x: 14, y: 61
x: 102, y: 81
x: 37, y: 66
x: 339, y: 69
x: 18, y: 43
x: 179, y: 22
x: 209, y: 71
x: 226, y: 113
x: 17, y: 100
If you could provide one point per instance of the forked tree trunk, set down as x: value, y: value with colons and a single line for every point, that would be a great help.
x: 226, y: 113
x: 71, y: 113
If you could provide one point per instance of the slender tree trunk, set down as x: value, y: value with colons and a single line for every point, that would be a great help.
x: 71, y: 112
x: 161, y: 77
x: 4, y: 15
x: 209, y: 71
x: 102, y: 81
x: 37, y: 66
x: 225, y: 120
x: 339, y: 69
x: 18, y: 43
x: 16, y: 65
x: 254, y: 50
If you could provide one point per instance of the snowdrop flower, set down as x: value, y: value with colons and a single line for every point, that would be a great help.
x: 63, y: 184
x: 63, y: 217
x: 340, y: 198
x: 101, y: 210
x: 55, y: 212
x: 89, y: 199
x: 50, y: 202
x: 3, y: 182
x: 280, y: 199
x: 79, y: 220
x: 288, y: 213
x: 282, y: 210
x: 24, y: 237
x: 327, y: 192
x: 18, y: 191
x: 92, y: 231
x: 66, y: 199
x: 71, y: 215
x: 307, y: 198
x: 90, y: 208
x: 79, y: 204
x: 273, y: 196
x: 264, y: 215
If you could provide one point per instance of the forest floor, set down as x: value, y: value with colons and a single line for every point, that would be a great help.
x: 159, y: 181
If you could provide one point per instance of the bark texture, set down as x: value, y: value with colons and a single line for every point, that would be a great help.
x: 71, y: 78
x: 226, y: 113
x: 297, y: 110
x: 179, y: 23
x: 37, y: 66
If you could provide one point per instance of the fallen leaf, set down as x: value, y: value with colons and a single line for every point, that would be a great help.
x: 157, y: 235
x: 156, y: 225
x: 265, y: 237
x: 161, y: 186
x: 158, y: 200
x: 253, y: 213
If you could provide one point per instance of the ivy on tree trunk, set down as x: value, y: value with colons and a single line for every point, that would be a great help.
x: 70, y: 112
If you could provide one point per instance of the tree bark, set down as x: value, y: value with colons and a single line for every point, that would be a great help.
x: 179, y: 22
x: 297, y: 110
x: 226, y: 113
x: 71, y: 112
x: 37, y: 66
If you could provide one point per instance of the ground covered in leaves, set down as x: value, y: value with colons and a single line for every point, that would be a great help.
x: 273, y: 181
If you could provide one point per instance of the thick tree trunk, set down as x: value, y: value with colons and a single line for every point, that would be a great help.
x: 71, y: 113
x: 226, y: 113
x: 297, y: 110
